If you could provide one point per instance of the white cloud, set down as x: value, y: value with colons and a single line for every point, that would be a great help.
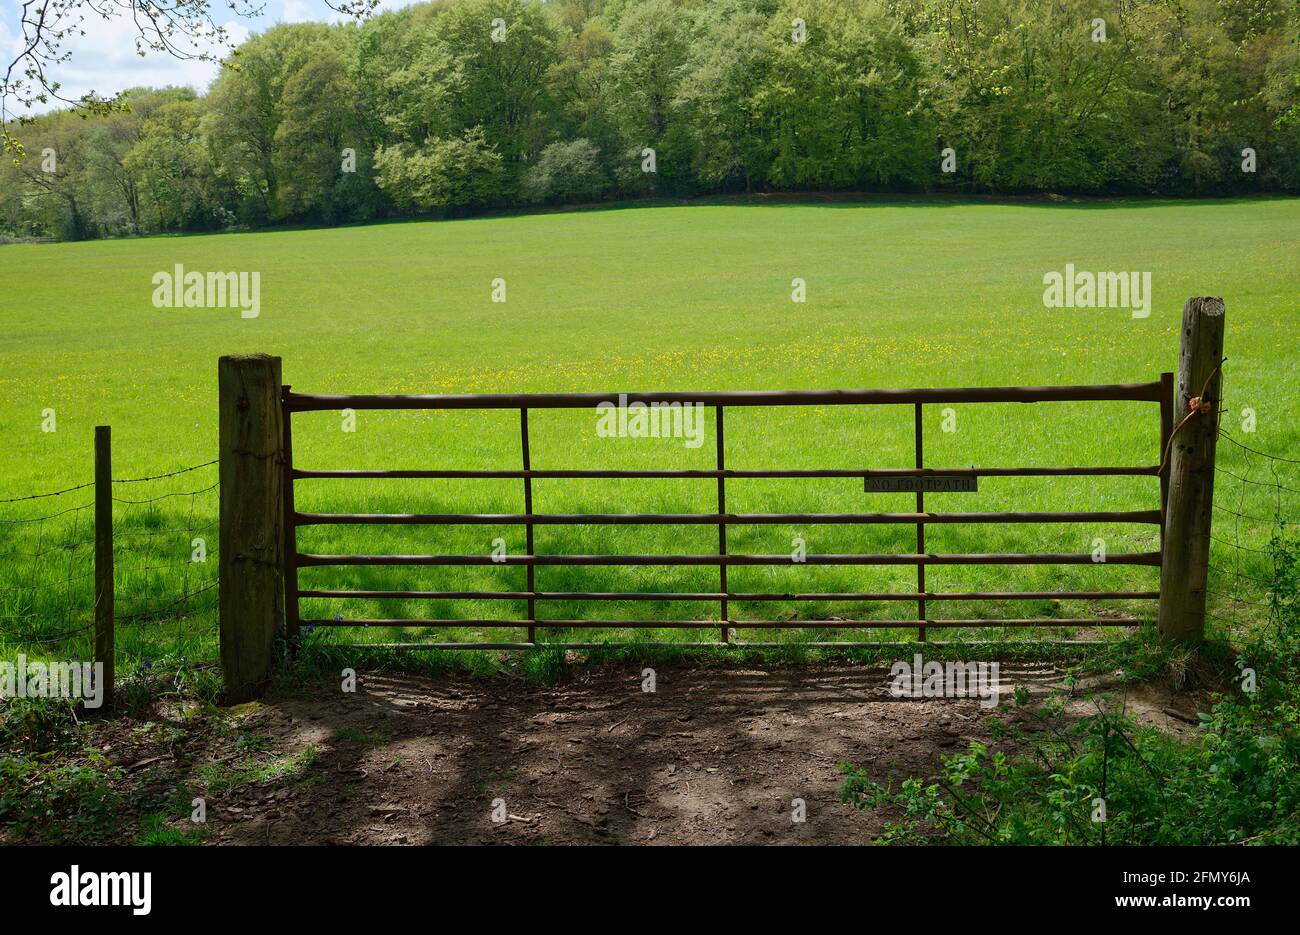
x: 302, y: 11
x: 105, y: 60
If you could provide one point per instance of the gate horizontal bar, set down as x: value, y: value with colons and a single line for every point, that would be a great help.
x: 1085, y: 558
x: 738, y: 596
x: 734, y: 644
x: 712, y: 519
x: 1152, y: 470
x: 1140, y: 392
x: 738, y: 624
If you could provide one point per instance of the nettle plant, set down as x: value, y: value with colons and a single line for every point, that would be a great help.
x: 1105, y: 779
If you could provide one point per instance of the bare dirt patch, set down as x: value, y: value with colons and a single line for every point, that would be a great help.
x: 714, y: 756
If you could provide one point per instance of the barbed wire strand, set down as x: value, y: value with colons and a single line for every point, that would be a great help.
x: 71, y: 537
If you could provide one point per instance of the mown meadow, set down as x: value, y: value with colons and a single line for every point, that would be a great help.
x: 900, y: 292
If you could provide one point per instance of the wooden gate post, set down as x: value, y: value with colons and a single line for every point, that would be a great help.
x: 1185, y: 568
x: 251, y: 584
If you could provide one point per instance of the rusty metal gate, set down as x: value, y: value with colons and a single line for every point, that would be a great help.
x: 1159, y: 392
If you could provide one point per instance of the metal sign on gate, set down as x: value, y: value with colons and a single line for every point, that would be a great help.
x: 937, y: 484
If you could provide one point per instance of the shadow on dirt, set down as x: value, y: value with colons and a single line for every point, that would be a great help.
x: 713, y: 755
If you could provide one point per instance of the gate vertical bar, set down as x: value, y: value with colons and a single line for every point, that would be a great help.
x: 291, y: 613
x: 104, y: 648
x: 724, y: 615
x: 528, y: 529
x: 1166, y: 430
x: 920, y: 527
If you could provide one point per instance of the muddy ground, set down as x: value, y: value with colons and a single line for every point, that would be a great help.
x: 715, y: 755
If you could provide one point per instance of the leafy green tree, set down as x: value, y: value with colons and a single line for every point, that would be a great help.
x: 1033, y: 97
x: 503, y: 52
x: 646, y: 66
x: 178, y: 188
x: 579, y: 81
x: 321, y: 161
x: 58, y: 179
x: 566, y: 172
x: 1225, y: 73
x: 727, y: 61
x: 841, y: 103
x: 442, y: 173
x: 245, y: 111
x: 406, y: 77
x: 115, y: 185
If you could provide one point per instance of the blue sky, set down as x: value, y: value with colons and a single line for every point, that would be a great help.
x: 105, y: 60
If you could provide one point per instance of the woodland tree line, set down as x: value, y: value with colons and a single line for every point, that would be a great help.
x: 460, y: 105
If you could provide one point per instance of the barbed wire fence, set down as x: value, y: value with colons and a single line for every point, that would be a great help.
x: 1256, y: 501
x: 165, y: 568
x: 42, y: 598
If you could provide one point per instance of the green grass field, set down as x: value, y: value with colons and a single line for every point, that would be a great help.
x: 900, y: 293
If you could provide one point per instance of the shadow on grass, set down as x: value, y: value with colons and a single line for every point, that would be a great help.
x: 865, y: 199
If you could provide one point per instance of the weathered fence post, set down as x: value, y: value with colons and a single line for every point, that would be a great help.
x: 1185, y: 568
x: 252, y: 516
x: 104, y: 652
